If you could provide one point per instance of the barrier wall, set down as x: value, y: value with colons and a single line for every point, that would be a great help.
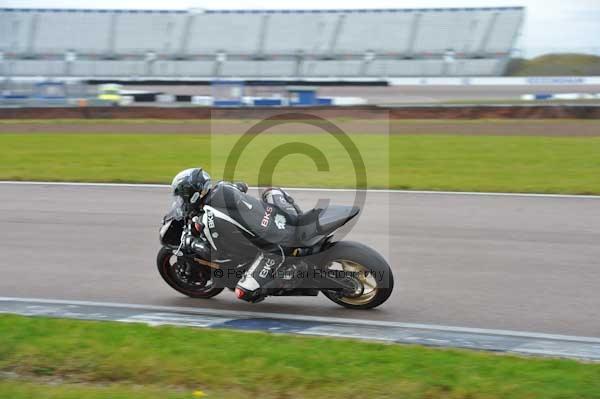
x: 336, y: 81
x: 357, y: 112
x: 498, y: 81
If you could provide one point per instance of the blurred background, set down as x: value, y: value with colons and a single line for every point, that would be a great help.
x: 459, y: 109
x: 234, y: 53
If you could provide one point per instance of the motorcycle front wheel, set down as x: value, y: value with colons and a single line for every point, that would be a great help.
x: 372, y: 275
x: 191, y: 280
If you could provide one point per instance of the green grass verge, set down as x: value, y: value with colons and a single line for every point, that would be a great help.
x: 461, y: 163
x: 174, y: 362
x: 33, y: 388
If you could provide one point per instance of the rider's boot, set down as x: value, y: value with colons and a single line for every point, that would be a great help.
x: 253, y: 285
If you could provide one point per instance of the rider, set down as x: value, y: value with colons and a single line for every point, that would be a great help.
x: 273, y: 217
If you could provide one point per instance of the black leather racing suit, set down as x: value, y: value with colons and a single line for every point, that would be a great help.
x: 273, y: 218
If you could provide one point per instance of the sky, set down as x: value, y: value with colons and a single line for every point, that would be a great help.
x: 550, y: 25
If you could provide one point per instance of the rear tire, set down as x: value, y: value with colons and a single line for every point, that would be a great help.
x: 166, y: 268
x: 361, y: 257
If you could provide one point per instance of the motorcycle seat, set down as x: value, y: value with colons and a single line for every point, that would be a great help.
x: 335, y: 216
x: 316, y: 223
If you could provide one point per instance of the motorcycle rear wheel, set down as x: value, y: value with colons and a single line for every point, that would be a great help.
x: 373, y: 271
x: 198, y: 288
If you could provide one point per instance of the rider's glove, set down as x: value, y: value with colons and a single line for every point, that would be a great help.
x: 243, y: 187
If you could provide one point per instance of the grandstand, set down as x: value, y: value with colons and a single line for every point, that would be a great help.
x: 259, y: 44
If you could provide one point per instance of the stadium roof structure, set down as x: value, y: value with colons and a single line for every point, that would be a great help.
x: 261, y: 10
x: 257, y: 43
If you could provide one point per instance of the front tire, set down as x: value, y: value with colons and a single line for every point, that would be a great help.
x: 199, y: 287
x: 375, y: 274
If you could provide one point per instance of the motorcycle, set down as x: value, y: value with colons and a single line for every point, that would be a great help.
x: 206, y: 248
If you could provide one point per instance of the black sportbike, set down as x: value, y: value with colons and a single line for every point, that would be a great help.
x: 221, y: 237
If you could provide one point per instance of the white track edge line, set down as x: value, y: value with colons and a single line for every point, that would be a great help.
x: 314, y: 189
x: 286, y: 316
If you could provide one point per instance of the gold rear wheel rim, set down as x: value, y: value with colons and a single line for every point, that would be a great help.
x: 365, y: 278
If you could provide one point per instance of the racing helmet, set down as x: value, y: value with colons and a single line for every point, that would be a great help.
x: 188, y: 182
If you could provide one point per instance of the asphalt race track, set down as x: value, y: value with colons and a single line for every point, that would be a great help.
x: 503, y: 262
x: 409, y: 94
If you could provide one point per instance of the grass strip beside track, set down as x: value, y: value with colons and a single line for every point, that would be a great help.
x: 44, y: 388
x: 84, y: 359
x: 568, y: 165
